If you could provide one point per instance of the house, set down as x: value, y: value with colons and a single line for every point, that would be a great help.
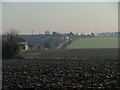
x: 67, y: 38
x: 24, y: 45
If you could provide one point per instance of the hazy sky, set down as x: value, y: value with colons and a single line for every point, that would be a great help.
x: 81, y: 17
x: 0, y: 17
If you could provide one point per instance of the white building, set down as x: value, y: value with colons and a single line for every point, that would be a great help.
x: 24, y: 45
x: 67, y: 38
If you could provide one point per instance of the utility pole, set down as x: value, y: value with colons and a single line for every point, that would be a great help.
x: 31, y: 43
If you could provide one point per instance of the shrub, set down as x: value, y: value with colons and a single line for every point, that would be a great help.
x: 10, y: 46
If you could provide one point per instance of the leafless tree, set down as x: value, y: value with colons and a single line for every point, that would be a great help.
x: 10, y: 45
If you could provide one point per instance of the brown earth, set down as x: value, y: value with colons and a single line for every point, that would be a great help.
x: 72, y: 53
x: 54, y: 73
x: 80, y: 68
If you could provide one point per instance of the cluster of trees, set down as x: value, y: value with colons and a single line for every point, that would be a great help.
x: 51, y: 40
x: 10, y: 46
x: 87, y: 36
x: 109, y: 34
x: 42, y: 41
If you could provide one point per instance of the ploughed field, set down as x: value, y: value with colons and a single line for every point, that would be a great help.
x: 61, y: 73
x: 71, y: 53
x: 72, y: 68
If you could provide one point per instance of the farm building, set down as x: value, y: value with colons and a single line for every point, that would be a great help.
x: 24, y: 45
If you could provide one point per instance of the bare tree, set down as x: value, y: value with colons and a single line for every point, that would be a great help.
x: 10, y: 46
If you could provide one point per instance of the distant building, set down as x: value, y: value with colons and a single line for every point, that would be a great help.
x: 24, y: 45
x: 67, y: 38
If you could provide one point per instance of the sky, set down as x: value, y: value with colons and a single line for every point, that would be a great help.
x: 0, y: 17
x: 62, y: 17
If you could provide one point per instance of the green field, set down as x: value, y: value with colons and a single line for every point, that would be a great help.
x: 94, y: 43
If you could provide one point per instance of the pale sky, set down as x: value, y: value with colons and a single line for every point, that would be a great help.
x: 62, y: 17
x: 0, y: 17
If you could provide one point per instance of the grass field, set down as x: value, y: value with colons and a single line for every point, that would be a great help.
x: 94, y: 43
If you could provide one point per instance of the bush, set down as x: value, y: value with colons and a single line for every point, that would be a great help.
x: 10, y: 47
